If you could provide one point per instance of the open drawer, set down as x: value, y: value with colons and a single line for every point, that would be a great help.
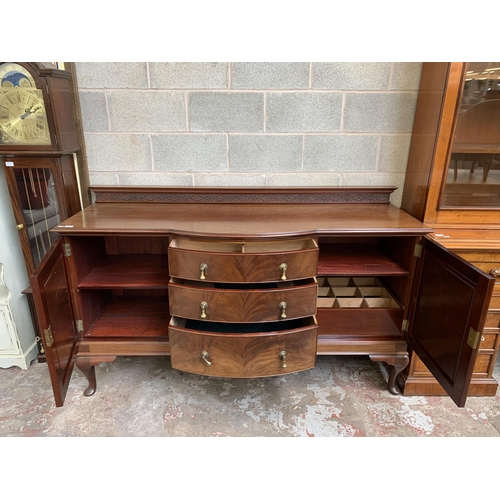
x: 243, y: 351
x: 243, y: 261
x: 242, y: 303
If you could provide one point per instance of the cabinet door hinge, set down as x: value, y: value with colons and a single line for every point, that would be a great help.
x: 79, y: 325
x: 473, y: 338
x: 405, y: 325
x: 418, y: 250
x: 67, y: 249
x: 49, y: 340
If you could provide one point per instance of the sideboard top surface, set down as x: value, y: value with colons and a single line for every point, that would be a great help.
x: 240, y: 220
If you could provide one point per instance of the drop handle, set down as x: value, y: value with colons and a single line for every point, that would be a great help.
x: 203, y: 307
x: 203, y: 270
x: 282, y: 356
x: 495, y: 272
x: 282, y: 306
x: 204, y: 356
x: 283, y: 268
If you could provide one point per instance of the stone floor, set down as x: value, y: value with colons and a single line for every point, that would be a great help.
x: 341, y: 396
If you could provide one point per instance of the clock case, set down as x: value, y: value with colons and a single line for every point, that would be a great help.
x: 57, y: 159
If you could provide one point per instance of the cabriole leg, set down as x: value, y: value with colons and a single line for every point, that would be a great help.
x: 398, y: 362
x: 87, y: 366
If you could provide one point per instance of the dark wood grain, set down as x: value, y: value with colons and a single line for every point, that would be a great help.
x: 242, y: 220
x: 52, y: 296
x: 241, y: 268
x: 299, y: 195
x: 243, y: 306
x: 450, y: 298
x: 243, y: 356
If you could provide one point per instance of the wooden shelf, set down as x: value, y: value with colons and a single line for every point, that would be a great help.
x: 135, y: 317
x: 357, y: 260
x: 129, y: 271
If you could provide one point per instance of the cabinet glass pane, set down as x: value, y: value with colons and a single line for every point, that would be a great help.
x: 40, y: 208
x: 473, y: 178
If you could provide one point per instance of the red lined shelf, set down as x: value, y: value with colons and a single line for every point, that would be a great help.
x: 135, y: 317
x: 357, y: 260
x: 129, y: 271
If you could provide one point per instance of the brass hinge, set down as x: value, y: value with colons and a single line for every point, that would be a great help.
x: 79, y: 325
x: 418, y: 250
x: 49, y: 340
x: 473, y: 338
x: 405, y: 325
x: 67, y: 249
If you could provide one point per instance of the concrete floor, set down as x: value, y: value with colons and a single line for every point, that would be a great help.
x: 341, y: 396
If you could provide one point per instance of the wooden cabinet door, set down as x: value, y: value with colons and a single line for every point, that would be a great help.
x: 449, y: 305
x: 52, y: 296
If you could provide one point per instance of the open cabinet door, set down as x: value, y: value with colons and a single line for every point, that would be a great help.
x: 447, y: 315
x: 52, y: 296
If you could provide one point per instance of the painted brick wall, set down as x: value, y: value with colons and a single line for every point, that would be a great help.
x: 248, y: 124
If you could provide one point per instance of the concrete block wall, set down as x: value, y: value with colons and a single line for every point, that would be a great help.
x: 248, y: 124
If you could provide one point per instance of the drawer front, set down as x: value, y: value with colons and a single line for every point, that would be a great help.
x: 484, y: 256
x: 482, y: 367
x: 242, y: 267
x: 242, y: 306
x: 492, y: 320
x: 488, y: 340
x: 242, y: 356
x: 495, y: 299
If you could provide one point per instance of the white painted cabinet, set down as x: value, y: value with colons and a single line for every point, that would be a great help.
x: 18, y: 346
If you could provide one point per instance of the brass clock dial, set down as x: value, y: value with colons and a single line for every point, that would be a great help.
x: 14, y: 75
x: 22, y: 109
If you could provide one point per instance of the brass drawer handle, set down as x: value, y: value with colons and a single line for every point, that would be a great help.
x: 204, y: 356
x: 203, y: 270
x: 282, y: 306
x: 20, y: 226
x: 283, y: 269
x: 203, y: 307
x: 283, y: 358
x: 495, y: 272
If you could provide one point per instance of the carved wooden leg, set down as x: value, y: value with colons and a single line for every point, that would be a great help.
x: 87, y: 366
x: 398, y: 362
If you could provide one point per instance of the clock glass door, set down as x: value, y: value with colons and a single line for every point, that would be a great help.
x: 37, y: 208
x: 473, y: 174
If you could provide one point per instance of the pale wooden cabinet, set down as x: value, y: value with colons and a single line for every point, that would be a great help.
x: 453, y: 185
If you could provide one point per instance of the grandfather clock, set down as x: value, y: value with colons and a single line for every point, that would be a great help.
x: 38, y: 147
x: 38, y: 140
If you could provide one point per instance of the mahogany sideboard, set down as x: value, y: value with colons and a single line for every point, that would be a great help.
x: 234, y: 282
